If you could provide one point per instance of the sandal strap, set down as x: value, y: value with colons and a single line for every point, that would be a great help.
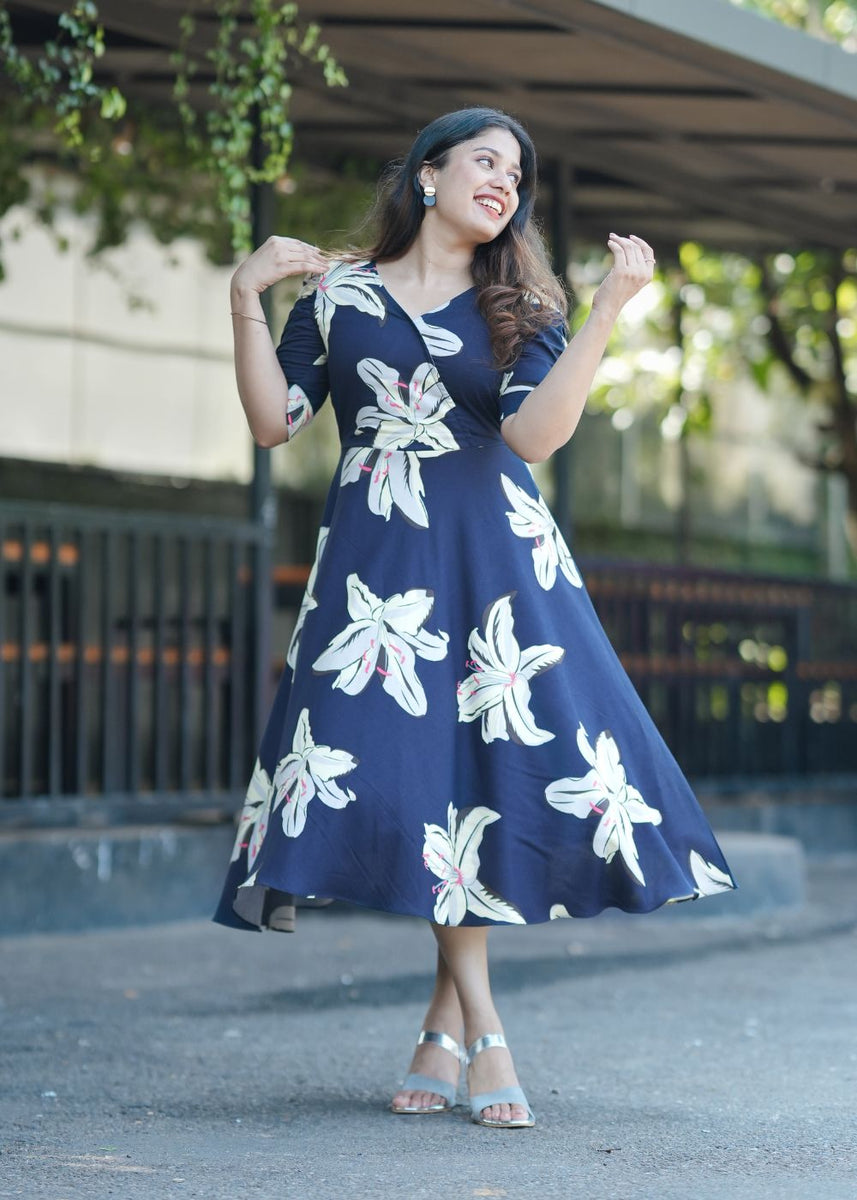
x: 426, y: 1083
x: 443, y: 1040
x: 485, y: 1043
x: 507, y: 1095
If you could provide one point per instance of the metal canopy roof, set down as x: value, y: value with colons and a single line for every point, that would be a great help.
x: 677, y: 118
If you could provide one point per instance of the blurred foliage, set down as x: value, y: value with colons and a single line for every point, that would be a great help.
x: 833, y: 20
x: 185, y: 170
x: 61, y: 77
x: 787, y: 321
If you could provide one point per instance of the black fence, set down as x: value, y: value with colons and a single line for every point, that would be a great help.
x: 744, y: 675
x: 130, y: 647
x: 128, y: 670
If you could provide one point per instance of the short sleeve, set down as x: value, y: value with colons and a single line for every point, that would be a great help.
x: 303, y: 358
x: 537, y: 357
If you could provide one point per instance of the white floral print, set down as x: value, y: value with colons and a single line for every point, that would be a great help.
x: 253, y: 822
x: 531, y: 518
x: 439, y: 342
x: 406, y: 412
x: 394, y: 481
x: 347, y: 283
x: 309, y: 771
x: 384, y: 637
x: 498, y: 689
x: 709, y: 879
x: 506, y: 387
x: 299, y: 411
x: 309, y: 601
x: 452, y: 854
x: 605, y: 791
x: 403, y: 414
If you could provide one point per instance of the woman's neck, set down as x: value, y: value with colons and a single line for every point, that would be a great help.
x: 431, y: 261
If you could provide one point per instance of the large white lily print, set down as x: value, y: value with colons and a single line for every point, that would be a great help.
x: 384, y: 638
x: 605, y: 791
x: 347, y: 283
x: 403, y: 414
x: 709, y: 879
x: 498, y: 690
x: 531, y: 518
x: 452, y: 854
x: 309, y: 602
x: 406, y: 412
x: 255, y: 815
x: 394, y: 481
x: 310, y: 770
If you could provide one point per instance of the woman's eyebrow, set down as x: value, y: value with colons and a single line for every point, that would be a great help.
x: 517, y: 166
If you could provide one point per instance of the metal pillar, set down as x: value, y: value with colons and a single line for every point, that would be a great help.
x: 560, y: 239
x: 263, y: 502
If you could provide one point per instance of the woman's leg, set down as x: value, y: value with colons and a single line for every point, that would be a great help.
x: 443, y: 1016
x: 465, y: 951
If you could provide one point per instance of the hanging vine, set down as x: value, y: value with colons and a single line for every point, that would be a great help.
x: 185, y: 170
x: 248, y: 97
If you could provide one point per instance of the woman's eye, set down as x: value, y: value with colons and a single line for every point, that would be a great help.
x: 485, y: 159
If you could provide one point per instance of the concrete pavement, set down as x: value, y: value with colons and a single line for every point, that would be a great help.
x: 665, y: 1059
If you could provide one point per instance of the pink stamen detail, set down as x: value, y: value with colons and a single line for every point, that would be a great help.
x: 381, y: 671
x: 596, y: 809
x: 364, y: 467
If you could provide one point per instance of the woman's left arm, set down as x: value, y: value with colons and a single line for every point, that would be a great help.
x: 548, y: 416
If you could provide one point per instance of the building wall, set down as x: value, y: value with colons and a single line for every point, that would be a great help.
x: 122, y: 361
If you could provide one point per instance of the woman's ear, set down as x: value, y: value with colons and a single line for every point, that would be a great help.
x: 425, y: 175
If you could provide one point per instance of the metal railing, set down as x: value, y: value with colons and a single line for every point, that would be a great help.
x: 744, y: 675
x: 128, y: 656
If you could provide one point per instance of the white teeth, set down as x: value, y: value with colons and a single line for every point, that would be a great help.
x: 486, y: 202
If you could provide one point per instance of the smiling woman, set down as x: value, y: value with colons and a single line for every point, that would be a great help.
x: 428, y: 746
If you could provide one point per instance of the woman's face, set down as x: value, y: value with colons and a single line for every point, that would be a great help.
x: 477, y: 187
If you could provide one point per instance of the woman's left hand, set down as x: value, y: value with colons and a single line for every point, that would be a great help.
x: 633, y: 267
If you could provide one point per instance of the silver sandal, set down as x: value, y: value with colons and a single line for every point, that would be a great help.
x: 427, y: 1083
x: 506, y: 1095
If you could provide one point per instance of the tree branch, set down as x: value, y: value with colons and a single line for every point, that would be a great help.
x: 777, y: 336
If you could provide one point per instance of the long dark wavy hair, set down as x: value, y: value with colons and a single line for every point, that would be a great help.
x: 518, y: 294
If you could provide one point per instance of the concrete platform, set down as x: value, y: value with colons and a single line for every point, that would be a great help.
x: 75, y: 880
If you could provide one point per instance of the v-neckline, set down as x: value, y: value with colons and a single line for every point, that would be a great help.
x: 428, y: 313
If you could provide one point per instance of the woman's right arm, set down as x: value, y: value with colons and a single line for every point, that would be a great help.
x: 261, y: 384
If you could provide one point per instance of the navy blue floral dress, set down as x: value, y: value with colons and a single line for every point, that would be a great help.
x: 453, y: 736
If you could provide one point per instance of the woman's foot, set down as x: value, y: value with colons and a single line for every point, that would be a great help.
x: 492, y: 1068
x: 435, y: 1061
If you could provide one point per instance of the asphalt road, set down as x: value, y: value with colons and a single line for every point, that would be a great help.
x: 666, y: 1057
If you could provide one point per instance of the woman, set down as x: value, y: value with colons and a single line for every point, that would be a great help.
x: 453, y: 736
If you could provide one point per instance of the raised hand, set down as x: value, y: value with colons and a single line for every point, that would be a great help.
x: 633, y: 267
x: 277, y: 258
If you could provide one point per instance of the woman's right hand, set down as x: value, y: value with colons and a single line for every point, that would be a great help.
x: 275, y: 259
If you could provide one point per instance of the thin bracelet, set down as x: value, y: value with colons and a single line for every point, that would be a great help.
x: 247, y: 317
